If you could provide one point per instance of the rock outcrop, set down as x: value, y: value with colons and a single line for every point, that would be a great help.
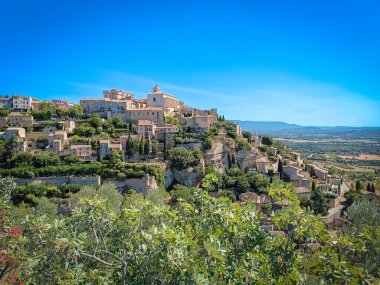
x: 169, y: 177
x: 217, y: 156
x: 246, y: 158
x: 191, y: 176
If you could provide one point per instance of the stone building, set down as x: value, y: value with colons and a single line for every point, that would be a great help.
x: 15, y: 119
x: 105, y: 107
x: 117, y: 94
x: 146, y: 128
x: 155, y: 115
x: 200, y: 123
x: 159, y: 99
x: 21, y: 103
x: 5, y: 102
x: 105, y: 148
x: 82, y: 151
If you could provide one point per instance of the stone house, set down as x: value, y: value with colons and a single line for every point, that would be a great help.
x: 82, y: 151
x: 105, y: 148
x: 16, y: 119
x: 21, y: 103
x: 5, y: 102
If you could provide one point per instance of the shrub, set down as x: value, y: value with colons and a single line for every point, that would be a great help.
x: 182, y: 158
x: 242, y: 144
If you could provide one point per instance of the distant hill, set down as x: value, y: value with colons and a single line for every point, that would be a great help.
x: 293, y: 131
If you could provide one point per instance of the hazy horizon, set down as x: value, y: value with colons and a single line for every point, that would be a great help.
x: 311, y: 63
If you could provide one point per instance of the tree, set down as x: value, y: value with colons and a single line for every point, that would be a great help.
x: 142, y: 145
x: 280, y: 168
x: 267, y: 140
x: 319, y: 203
x: 95, y: 121
x: 210, y: 182
x: 45, y: 159
x: 369, y: 187
x: 147, y: 147
x: 313, y: 186
x: 130, y: 126
x: 115, y: 158
x: 358, y: 185
x: 182, y: 158
x: 21, y: 159
x: 247, y: 135
x: 363, y: 212
x: 242, y: 184
x: 11, y: 147
x: 373, y: 188
x: 4, y: 112
x: 75, y: 112
x: 155, y: 149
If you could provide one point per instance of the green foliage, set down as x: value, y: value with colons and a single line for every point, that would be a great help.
x: 172, y: 121
x: 210, y: 182
x: 75, y: 112
x: 182, y: 192
x: 155, y: 149
x: 258, y: 183
x: 182, y: 158
x: 353, y: 196
x: 247, y: 135
x: 319, y: 203
x: 262, y: 148
x: 229, y: 194
x: 85, y: 130
x: 363, y: 213
x: 242, y: 184
x: 242, y: 144
x: 95, y: 121
x: 71, y: 159
x: 267, y: 141
x: 45, y: 159
x: 21, y: 159
x: 4, y: 112
x: 109, y: 239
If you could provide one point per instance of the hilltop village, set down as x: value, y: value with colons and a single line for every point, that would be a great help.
x: 152, y: 143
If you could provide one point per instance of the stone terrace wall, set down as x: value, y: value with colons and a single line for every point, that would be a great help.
x: 59, y: 180
x: 138, y: 184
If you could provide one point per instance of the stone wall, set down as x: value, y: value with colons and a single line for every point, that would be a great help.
x: 59, y: 180
x: 137, y: 184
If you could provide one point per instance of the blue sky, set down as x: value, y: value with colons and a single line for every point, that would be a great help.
x: 304, y: 62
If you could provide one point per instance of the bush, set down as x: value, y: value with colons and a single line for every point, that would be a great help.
x: 182, y: 158
x: 182, y: 192
x: 242, y: 144
x: 228, y: 194
x: 267, y: 141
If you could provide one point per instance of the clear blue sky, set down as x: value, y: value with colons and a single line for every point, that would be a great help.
x: 306, y: 62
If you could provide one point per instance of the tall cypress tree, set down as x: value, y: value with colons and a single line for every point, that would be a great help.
x: 373, y: 188
x: 369, y: 187
x: 147, y: 147
x: 155, y: 149
x: 280, y: 169
x: 142, y: 145
x: 358, y: 186
x: 313, y: 186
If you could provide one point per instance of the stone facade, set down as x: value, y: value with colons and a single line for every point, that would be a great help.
x: 21, y: 103
x: 16, y: 119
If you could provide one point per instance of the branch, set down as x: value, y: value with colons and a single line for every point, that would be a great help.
x: 98, y: 259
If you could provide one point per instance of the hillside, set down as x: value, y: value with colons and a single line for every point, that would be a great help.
x: 293, y: 131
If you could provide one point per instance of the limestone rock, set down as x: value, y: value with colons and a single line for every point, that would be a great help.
x: 169, y: 177
x: 246, y: 158
x: 217, y: 156
x: 191, y: 176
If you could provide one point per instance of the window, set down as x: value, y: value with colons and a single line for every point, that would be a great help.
x: 154, y: 99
